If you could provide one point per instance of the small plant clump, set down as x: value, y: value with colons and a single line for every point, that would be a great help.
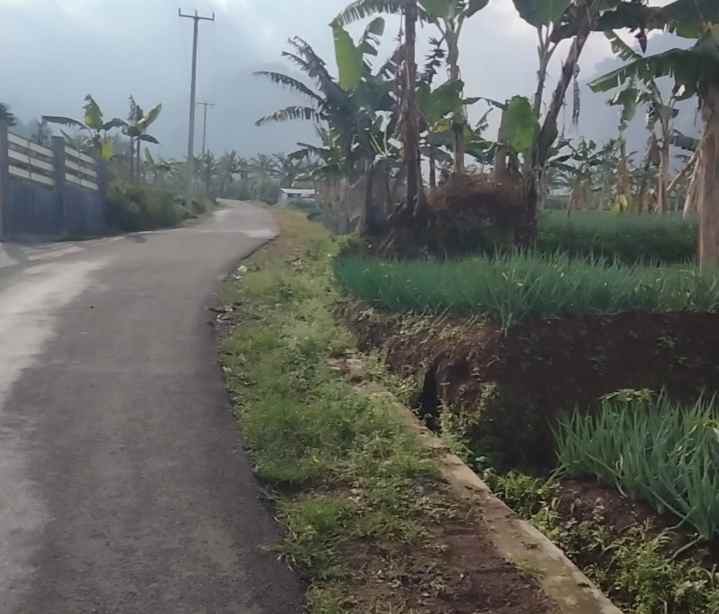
x: 636, y: 568
x: 515, y: 287
x: 653, y: 449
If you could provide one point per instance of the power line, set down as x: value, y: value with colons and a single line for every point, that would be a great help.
x: 193, y: 92
x: 205, y: 105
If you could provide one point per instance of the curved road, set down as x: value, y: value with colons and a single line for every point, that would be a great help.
x: 123, y: 484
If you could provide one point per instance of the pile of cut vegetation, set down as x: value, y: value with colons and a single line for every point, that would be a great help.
x: 468, y: 214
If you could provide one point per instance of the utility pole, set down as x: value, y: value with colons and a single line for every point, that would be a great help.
x: 193, y: 93
x: 204, y: 124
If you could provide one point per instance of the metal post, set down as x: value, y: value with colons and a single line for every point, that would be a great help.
x: 4, y: 177
x: 205, y: 105
x: 193, y: 92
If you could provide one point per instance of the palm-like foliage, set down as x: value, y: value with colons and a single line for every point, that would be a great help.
x: 157, y: 168
x: 642, y: 89
x: 695, y: 71
x: 349, y: 105
x: 136, y: 126
x: 449, y: 17
x: 93, y: 123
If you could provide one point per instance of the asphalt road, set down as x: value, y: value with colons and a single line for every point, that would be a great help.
x: 123, y: 484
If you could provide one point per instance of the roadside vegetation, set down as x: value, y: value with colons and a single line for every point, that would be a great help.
x: 368, y: 524
x: 132, y: 208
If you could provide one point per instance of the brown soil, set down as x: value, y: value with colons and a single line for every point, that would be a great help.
x: 456, y: 570
x: 512, y: 387
x: 584, y: 500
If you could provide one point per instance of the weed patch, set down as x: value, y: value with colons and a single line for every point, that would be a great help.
x: 635, y: 566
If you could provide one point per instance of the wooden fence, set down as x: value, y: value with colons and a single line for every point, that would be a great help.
x: 48, y: 191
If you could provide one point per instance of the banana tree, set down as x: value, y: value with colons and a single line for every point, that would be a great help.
x: 92, y: 123
x: 644, y: 90
x: 579, y: 170
x: 347, y: 103
x: 543, y: 16
x: 449, y: 17
x: 158, y: 168
x: 351, y: 106
x: 564, y: 19
x: 695, y: 71
x: 136, y: 128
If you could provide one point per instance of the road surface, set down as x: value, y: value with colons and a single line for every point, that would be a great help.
x: 123, y: 484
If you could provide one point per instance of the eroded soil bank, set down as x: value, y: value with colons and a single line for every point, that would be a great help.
x: 506, y: 390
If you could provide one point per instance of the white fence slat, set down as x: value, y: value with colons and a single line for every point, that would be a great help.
x: 74, y: 153
x: 24, y: 143
x: 79, y: 168
x: 21, y: 172
x: 82, y: 182
x: 30, y: 161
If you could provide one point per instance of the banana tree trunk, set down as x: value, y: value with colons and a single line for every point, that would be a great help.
x: 708, y: 180
x: 665, y: 164
x: 432, y: 170
x: 139, y: 165
x: 690, y: 203
x: 459, y: 119
x: 644, y: 185
x: 501, y: 153
x: 549, y: 132
x: 411, y: 119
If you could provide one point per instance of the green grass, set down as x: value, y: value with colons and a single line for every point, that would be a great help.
x: 626, y: 238
x: 516, y: 287
x: 663, y: 453
x: 346, y: 471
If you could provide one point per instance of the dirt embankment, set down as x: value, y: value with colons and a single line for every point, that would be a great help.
x: 507, y: 390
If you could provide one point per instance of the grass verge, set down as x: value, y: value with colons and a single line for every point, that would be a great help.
x: 366, y: 519
x: 510, y: 288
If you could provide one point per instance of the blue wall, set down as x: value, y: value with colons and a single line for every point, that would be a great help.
x: 37, y: 210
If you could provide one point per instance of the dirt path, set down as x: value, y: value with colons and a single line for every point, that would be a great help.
x: 123, y: 485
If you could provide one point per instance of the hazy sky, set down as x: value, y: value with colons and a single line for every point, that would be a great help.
x: 56, y: 51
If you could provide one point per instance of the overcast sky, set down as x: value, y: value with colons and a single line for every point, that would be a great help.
x: 56, y: 51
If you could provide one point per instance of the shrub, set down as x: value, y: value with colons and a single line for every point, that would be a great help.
x: 308, y: 206
x: 132, y: 208
x: 514, y: 287
x: 627, y: 238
